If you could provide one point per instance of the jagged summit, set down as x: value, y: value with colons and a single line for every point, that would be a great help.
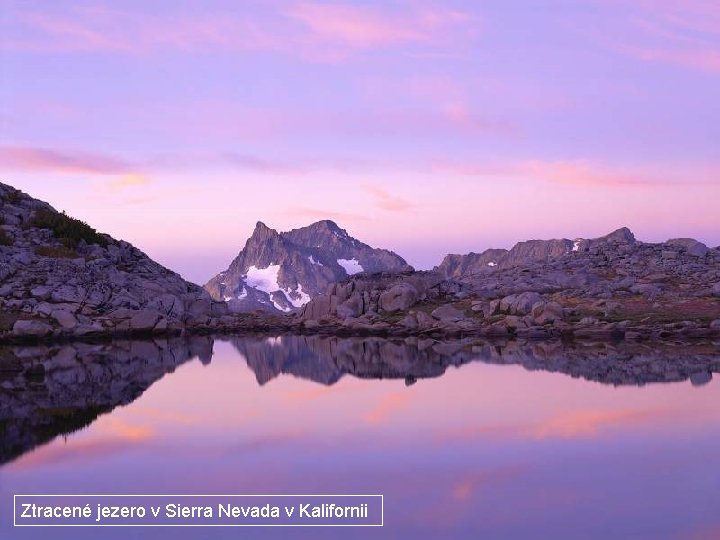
x: 284, y: 270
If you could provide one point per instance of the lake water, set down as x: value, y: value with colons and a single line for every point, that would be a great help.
x: 463, y: 440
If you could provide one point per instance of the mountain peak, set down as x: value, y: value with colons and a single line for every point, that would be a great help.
x: 330, y: 224
x: 623, y: 234
x: 285, y: 270
x: 260, y: 226
x: 326, y: 225
x: 263, y: 232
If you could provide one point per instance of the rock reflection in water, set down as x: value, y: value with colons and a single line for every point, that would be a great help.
x: 49, y: 391
x: 326, y: 359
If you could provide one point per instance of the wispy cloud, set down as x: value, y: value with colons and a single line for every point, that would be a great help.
x: 684, y: 33
x: 583, y: 172
x: 130, y: 180
x: 29, y: 158
x: 311, y: 30
x: 387, y: 201
x: 363, y: 26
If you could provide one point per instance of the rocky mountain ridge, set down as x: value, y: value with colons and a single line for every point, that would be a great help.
x: 612, y: 287
x: 61, y: 278
x: 282, y: 271
x: 524, y: 253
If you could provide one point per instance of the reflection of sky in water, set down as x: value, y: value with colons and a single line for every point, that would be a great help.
x: 483, y: 451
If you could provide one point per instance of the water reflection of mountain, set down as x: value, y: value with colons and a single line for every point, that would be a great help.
x: 49, y: 391
x: 326, y: 359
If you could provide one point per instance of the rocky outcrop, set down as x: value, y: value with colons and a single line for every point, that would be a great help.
x: 61, y: 278
x: 612, y: 287
x: 526, y: 253
x: 361, y: 298
x: 283, y: 271
x: 458, y: 266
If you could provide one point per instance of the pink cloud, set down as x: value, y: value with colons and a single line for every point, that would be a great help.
x: 386, y: 201
x: 366, y: 27
x: 701, y: 59
x: 682, y: 33
x: 584, y: 172
x: 44, y: 159
x: 313, y: 31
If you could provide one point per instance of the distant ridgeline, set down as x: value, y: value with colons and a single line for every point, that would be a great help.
x: 62, y: 279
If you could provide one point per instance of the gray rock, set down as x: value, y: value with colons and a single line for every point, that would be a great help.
x: 547, y: 313
x: 352, y: 307
x: 65, y: 319
x: 448, y: 313
x: 31, y: 328
x: 692, y: 246
x: 520, y: 304
x: 40, y: 292
x: 399, y: 297
x: 67, y: 293
x: 145, y: 319
x: 200, y: 306
x: 409, y: 321
x: 424, y: 320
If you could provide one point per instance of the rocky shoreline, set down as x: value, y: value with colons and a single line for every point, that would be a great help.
x: 60, y: 280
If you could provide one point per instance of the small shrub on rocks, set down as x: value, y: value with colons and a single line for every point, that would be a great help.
x: 67, y: 229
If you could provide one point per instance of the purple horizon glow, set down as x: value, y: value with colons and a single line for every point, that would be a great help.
x: 423, y: 127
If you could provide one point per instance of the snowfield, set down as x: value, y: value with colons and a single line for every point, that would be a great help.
x: 351, y: 266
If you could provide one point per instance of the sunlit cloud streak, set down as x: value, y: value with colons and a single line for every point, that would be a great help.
x: 386, y: 201
x: 311, y: 31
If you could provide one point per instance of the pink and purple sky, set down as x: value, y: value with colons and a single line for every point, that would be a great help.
x: 424, y: 127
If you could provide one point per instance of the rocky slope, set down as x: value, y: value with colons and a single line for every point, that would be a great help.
x: 60, y: 278
x: 523, y: 253
x: 605, y: 288
x: 282, y: 271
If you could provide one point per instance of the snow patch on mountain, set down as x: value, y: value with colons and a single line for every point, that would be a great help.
x: 302, y: 297
x: 263, y: 279
x: 351, y: 266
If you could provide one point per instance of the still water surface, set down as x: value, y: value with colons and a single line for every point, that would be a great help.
x: 491, y: 441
